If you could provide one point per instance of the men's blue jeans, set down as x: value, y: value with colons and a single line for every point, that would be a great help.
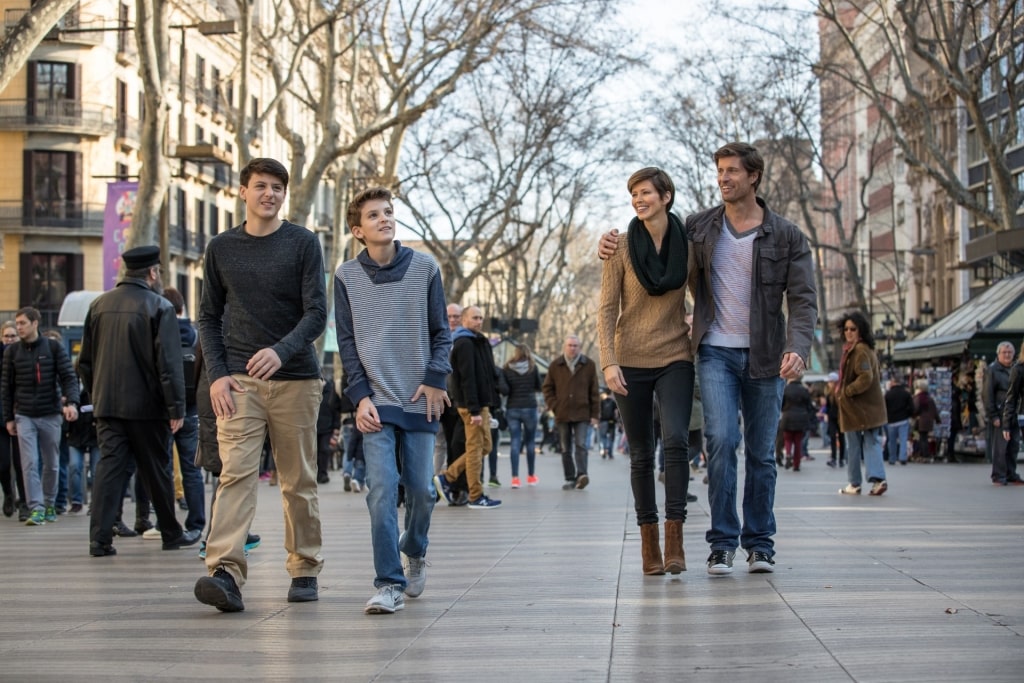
x: 39, y: 440
x: 729, y: 391
x: 416, y: 449
x: 77, y: 477
x: 896, y: 435
x: 187, y: 439
x: 522, y: 429
x: 865, y: 445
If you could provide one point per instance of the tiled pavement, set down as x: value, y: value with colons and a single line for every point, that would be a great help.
x: 925, y: 583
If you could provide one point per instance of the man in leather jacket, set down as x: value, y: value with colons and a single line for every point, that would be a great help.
x: 131, y: 365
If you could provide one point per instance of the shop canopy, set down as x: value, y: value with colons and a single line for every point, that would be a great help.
x: 975, y: 328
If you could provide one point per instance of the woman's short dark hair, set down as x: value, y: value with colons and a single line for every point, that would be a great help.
x: 863, y: 327
x: 662, y: 183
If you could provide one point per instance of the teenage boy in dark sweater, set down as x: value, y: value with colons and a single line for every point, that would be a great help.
x: 263, y: 282
x: 394, y: 342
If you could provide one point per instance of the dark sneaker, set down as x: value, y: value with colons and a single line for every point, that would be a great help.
x: 142, y: 526
x: 99, y: 550
x: 720, y: 562
x: 187, y: 538
x: 252, y: 541
x: 388, y: 600
x: 23, y: 512
x: 303, y: 589
x: 444, y: 489
x: 8, y: 507
x: 760, y: 563
x: 582, y: 481
x: 879, y: 488
x: 76, y: 508
x: 202, y: 550
x: 323, y: 478
x: 346, y: 481
x: 220, y: 591
x: 690, y: 498
x: 121, y: 529
x: 483, y: 502
x: 415, y: 575
x: 461, y: 499
x: 569, y: 486
x: 494, y: 483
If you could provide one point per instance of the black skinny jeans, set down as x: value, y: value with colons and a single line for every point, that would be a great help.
x: 673, y: 385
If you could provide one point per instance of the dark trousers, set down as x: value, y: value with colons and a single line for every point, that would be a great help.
x: 1004, y: 456
x: 573, y: 437
x: 144, y: 443
x: 7, y: 446
x: 673, y: 385
x: 323, y: 452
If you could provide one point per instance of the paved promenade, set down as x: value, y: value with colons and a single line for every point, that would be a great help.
x: 925, y: 583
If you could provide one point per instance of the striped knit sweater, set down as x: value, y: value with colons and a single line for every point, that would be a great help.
x: 393, y: 334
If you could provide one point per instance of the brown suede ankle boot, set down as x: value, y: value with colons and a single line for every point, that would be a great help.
x: 650, y: 549
x: 675, y: 556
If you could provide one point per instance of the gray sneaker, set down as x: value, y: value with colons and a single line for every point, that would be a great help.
x: 415, y: 575
x: 388, y: 600
x: 720, y: 562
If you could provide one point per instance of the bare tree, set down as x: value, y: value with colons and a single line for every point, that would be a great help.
x: 151, y: 22
x: 498, y: 179
x: 17, y: 44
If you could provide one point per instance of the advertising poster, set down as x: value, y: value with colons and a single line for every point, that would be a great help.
x: 117, y: 224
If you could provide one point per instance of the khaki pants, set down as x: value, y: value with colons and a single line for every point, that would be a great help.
x: 478, y: 445
x: 287, y: 410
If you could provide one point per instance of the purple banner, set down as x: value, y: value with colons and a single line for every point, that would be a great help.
x: 117, y: 224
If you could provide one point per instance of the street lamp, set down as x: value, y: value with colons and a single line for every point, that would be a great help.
x: 926, y: 314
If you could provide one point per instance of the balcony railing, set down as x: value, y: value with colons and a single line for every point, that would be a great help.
x: 191, y: 244
x: 55, y: 214
x: 129, y: 131
x: 64, y: 116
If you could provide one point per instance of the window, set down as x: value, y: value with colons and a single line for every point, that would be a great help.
x: 47, y: 278
x: 215, y: 89
x: 52, y: 81
x: 214, y: 217
x: 200, y: 217
x: 52, y: 184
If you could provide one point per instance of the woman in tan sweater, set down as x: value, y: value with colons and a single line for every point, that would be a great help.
x: 645, y: 352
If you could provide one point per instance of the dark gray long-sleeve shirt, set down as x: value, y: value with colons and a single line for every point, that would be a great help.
x: 263, y: 292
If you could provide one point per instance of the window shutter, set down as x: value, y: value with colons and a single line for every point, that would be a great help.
x: 25, y: 279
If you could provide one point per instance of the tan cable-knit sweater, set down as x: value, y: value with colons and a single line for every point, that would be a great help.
x: 635, y: 329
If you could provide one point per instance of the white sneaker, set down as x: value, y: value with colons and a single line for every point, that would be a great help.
x: 415, y: 574
x: 388, y: 600
x: 151, y: 534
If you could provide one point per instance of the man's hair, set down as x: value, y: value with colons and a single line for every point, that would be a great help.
x: 748, y: 156
x: 863, y: 327
x: 354, y: 215
x: 266, y: 166
x: 1004, y: 345
x: 176, y: 299
x: 139, y: 273
x: 662, y: 183
x: 29, y: 312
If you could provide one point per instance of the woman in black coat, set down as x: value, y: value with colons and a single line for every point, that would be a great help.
x: 797, y: 412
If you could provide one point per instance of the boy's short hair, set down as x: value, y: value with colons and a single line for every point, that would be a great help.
x: 266, y: 166
x: 354, y: 215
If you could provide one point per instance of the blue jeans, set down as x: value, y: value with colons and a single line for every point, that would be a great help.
x: 573, y: 437
x: 896, y: 436
x: 673, y: 385
x: 866, y: 445
x: 355, y: 462
x: 76, y: 472
x: 522, y: 422
x: 416, y: 449
x: 606, y: 432
x: 187, y: 439
x: 39, y: 440
x: 729, y: 392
